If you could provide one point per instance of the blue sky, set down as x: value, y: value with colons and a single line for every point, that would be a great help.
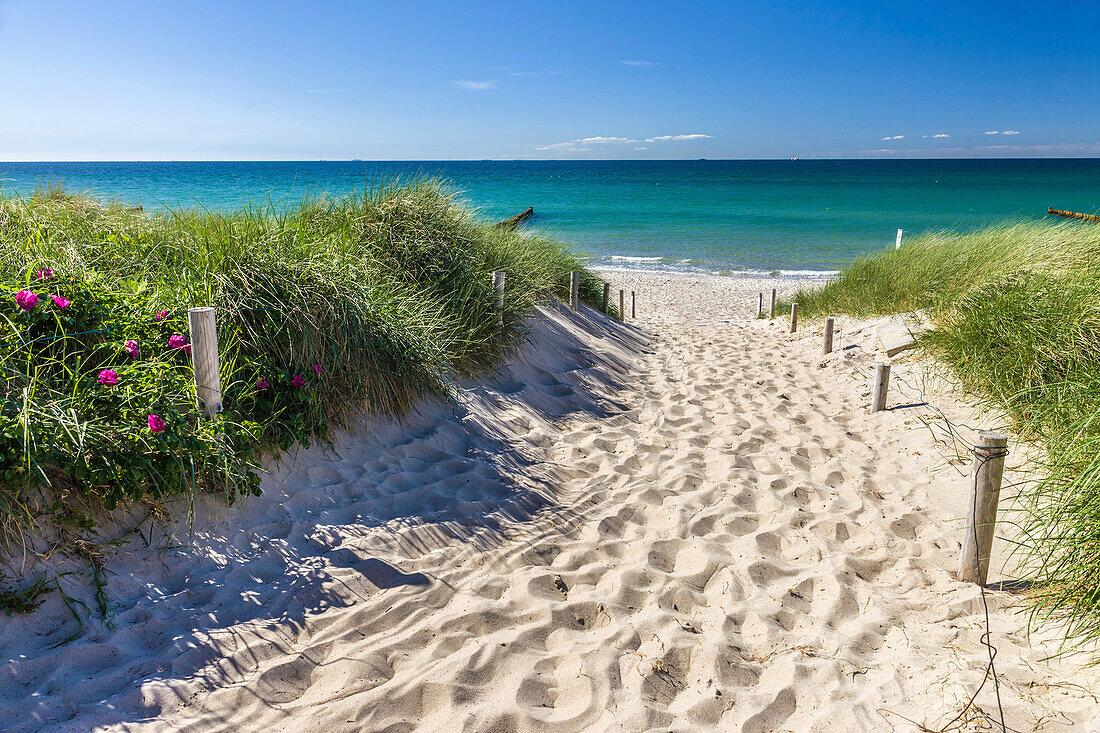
x: 274, y: 80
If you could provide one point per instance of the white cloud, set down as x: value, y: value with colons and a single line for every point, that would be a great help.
x: 574, y: 145
x: 992, y: 132
x: 938, y: 134
x: 641, y: 148
x: 476, y: 86
x: 691, y: 136
x: 638, y: 63
x: 893, y: 137
x: 605, y: 140
x: 1011, y: 132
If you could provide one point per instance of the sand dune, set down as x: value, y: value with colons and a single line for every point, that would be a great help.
x: 687, y: 523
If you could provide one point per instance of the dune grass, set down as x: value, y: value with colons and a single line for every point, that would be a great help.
x: 368, y: 302
x: 1016, y: 313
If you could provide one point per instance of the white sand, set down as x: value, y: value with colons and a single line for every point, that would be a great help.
x: 687, y: 523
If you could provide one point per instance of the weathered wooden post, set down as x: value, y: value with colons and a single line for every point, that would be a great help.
x: 498, y: 290
x: 773, y: 303
x: 633, y: 309
x: 829, y: 323
x: 794, y: 317
x: 574, y: 289
x: 878, y: 391
x: 204, y: 359
x: 622, y: 304
x: 981, y: 512
x: 760, y: 306
x: 897, y: 244
x: 606, y: 296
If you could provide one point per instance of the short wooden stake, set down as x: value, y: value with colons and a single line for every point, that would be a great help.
x: 773, y: 303
x: 633, y: 310
x: 829, y: 323
x: 606, y: 296
x: 622, y: 304
x: 897, y: 244
x: 574, y: 289
x: 794, y: 317
x: 498, y: 291
x: 204, y: 359
x: 981, y: 511
x: 878, y: 391
x: 760, y: 306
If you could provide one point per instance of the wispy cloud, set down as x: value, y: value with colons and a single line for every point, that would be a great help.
x: 643, y: 147
x: 692, y: 136
x: 1011, y: 132
x: 577, y: 145
x: 992, y: 132
x: 639, y: 63
x: 535, y: 73
x: 893, y: 137
x: 938, y: 134
x: 476, y: 86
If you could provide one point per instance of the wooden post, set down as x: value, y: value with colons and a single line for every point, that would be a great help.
x: 204, y: 359
x: 794, y: 317
x: 878, y: 391
x: 574, y: 289
x: 760, y: 306
x: 606, y: 296
x: 498, y: 290
x: 773, y: 303
x: 829, y: 323
x: 981, y: 512
x: 633, y: 310
x: 897, y: 244
x: 622, y: 304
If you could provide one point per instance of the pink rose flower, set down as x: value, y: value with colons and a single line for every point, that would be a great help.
x: 26, y: 299
x: 161, y: 315
x: 132, y: 348
x: 108, y: 377
x: 262, y: 384
x: 60, y: 302
x: 176, y: 341
x: 44, y: 274
x: 316, y: 368
x: 298, y: 381
x: 156, y: 424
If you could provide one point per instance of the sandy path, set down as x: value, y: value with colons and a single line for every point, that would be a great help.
x: 698, y: 530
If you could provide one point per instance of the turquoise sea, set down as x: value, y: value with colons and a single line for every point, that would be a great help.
x: 743, y: 217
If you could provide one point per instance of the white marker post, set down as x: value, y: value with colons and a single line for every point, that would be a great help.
x: 897, y: 245
x: 498, y: 291
x: 204, y: 359
x: 574, y: 289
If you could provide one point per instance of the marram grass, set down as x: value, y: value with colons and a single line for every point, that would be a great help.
x: 1016, y: 313
x: 334, y: 306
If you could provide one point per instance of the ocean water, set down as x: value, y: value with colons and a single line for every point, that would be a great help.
x: 734, y: 217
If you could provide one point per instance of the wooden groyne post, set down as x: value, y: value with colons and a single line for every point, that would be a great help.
x: 1072, y: 214
x: 574, y: 289
x: 498, y: 291
x: 981, y: 512
x: 606, y: 297
x: 773, y: 303
x: 794, y: 317
x: 829, y: 323
x: 204, y: 358
x: 622, y: 304
x: 878, y: 389
x: 760, y: 306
